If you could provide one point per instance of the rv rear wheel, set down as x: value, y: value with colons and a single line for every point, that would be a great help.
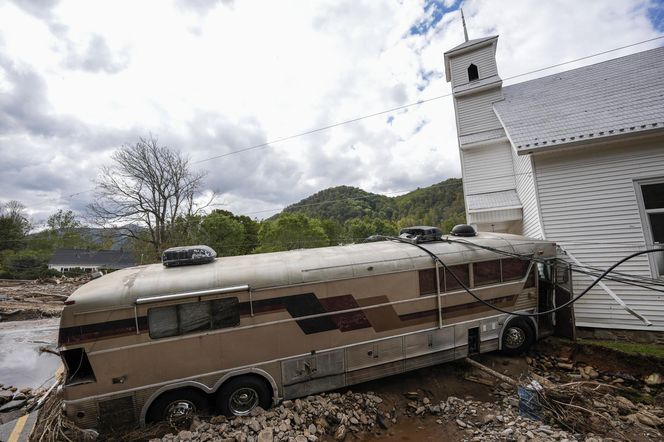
x: 517, y: 337
x: 242, y: 394
x: 178, y: 407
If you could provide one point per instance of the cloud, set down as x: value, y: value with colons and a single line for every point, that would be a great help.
x: 96, y: 57
x: 202, y: 7
x: 78, y: 80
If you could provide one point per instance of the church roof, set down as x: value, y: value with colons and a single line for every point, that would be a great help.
x: 469, y: 43
x: 612, y: 98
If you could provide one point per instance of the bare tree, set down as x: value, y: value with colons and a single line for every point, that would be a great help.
x: 146, y: 189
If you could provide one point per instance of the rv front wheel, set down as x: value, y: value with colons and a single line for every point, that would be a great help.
x: 517, y: 337
x: 242, y: 394
x: 178, y: 407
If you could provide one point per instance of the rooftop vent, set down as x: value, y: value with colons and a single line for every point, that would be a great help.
x: 463, y: 230
x: 187, y: 255
x: 421, y: 233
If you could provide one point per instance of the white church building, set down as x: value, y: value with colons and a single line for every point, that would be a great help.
x: 576, y: 157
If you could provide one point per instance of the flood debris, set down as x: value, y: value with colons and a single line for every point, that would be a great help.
x: 15, y: 402
x: 41, y: 298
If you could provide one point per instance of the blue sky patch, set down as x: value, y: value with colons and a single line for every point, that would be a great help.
x: 656, y: 15
x: 433, y: 13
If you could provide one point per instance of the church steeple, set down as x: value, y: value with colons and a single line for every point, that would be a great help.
x: 463, y: 20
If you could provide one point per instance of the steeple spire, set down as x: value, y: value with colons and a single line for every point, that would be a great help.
x: 463, y: 20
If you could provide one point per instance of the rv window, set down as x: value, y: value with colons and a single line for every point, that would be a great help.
x: 485, y: 273
x: 514, y: 269
x: 461, y: 272
x: 428, y: 281
x: 193, y: 317
x: 163, y: 322
x: 225, y: 313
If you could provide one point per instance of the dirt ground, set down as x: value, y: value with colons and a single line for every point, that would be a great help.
x: 461, y: 380
x: 24, y: 300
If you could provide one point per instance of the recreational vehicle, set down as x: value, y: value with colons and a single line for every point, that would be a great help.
x: 164, y: 341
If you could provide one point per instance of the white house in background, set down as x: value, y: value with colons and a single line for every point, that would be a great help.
x: 575, y: 157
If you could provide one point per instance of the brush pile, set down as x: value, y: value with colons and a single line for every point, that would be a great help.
x: 592, y: 407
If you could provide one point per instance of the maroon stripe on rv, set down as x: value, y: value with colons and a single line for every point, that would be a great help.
x: 345, y: 321
x: 110, y: 329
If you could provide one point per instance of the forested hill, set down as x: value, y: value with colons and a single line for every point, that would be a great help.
x: 438, y: 205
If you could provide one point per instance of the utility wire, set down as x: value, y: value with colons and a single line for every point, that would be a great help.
x: 405, y: 106
x: 436, y: 258
x: 417, y: 103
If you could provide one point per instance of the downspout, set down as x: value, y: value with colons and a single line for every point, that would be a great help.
x: 610, y: 292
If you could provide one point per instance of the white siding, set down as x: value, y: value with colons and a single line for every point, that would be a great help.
x: 483, y: 59
x: 475, y: 112
x: 488, y: 169
x: 589, y: 206
x: 525, y: 188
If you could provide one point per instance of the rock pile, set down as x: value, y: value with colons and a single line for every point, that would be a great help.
x: 332, y: 415
x: 14, y: 402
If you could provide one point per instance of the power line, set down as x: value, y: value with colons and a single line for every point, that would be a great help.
x: 387, y: 111
x: 417, y: 103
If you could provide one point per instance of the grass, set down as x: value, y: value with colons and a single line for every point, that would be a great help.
x: 655, y: 350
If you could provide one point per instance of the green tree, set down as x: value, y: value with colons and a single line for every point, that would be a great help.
x: 25, y: 264
x: 359, y: 229
x: 223, y: 233
x: 14, y: 226
x: 291, y: 231
x: 334, y: 231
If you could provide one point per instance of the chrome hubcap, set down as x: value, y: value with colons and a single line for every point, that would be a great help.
x: 180, y: 412
x: 514, y: 337
x: 242, y: 401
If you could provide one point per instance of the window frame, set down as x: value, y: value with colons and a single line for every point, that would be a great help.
x: 645, y: 221
x: 233, y: 302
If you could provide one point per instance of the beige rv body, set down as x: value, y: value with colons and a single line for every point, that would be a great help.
x: 310, y: 320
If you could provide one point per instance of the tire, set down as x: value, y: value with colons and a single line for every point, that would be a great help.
x: 178, y: 407
x: 518, y: 337
x: 240, y: 395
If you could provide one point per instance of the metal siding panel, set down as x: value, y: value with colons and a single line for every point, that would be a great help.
x: 589, y: 206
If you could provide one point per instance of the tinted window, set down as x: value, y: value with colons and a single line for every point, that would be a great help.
x: 427, y: 281
x: 163, y: 321
x: 461, y: 272
x: 657, y: 225
x: 193, y: 317
x: 653, y: 195
x: 485, y: 273
x: 514, y: 268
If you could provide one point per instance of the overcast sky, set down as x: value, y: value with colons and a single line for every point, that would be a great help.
x: 80, y: 78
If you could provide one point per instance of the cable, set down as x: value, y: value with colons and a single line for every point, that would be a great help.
x: 405, y: 106
x: 536, y: 314
x: 417, y: 103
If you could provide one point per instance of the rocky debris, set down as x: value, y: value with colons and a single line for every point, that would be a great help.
x: 331, y: 416
x: 15, y: 402
x: 654, y: 379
